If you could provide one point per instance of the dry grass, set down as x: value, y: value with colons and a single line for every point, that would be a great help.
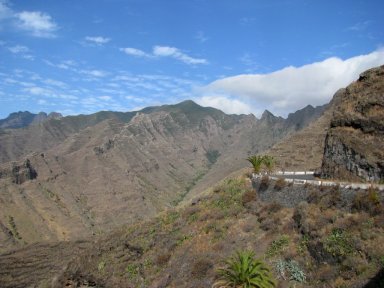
x: 190, y: 243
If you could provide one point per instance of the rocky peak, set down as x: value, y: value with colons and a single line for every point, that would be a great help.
x: 267, y: 116
x: 23, y: 119
x: 55, y: 115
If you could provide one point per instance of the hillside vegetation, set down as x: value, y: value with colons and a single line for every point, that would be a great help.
x: 322, y: 242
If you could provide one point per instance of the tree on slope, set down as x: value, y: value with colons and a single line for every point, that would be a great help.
x: 269, y: 163
x: 256, y: 162
x: 244, y: 271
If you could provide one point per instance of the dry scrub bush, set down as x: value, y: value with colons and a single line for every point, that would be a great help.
x: 264, y: 183
x: 325, y: 273
x: 163, y: 259
x: 355, y: 264
x: 201, y: 268
x: 247, y: 227
x: 248, y: 196
x: 368, y: 201
x: 269, y: 217
x: 280, y: 184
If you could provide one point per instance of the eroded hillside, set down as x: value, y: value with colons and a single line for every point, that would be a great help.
x: 100, y: 174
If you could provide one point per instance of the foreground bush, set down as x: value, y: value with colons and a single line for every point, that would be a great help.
x: 243, y: 271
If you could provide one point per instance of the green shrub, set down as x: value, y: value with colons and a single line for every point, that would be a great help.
x: 338, y: 243
x: 132, y: 270
x: 295, y: 271
x: 243, y: 271
x: 256, y: 162
x: 212, y: 156
x: 302, y: 246
x: 101, y: 266
x: 13, y: 228
x: 170, y: 217
x: 277, y: 246
x: 292, y: 269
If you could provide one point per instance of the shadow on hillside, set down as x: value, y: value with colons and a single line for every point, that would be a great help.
x: 377, y: 281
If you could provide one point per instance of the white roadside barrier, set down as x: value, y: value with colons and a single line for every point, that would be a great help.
x: 317, y: 182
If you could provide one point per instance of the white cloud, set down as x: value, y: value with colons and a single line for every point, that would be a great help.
x: 18, y: 49
x: 105, y: 98
x: 65, y: 65
x: 22, y: 51
x: 98, y: 40
x: 39, y: 24
x: 135, y: 52
x: 292, y: 88
x: 166, y: 51
x: 37, y: 91
x: 94, y: 73
x: 56, y: 83
x: 225, y: 104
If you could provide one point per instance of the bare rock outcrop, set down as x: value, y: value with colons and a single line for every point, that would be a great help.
x: 354, y: 144
x: 19, y: 172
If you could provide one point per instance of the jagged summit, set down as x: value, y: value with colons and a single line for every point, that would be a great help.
x: 267, y: 114
x: 23, y: 119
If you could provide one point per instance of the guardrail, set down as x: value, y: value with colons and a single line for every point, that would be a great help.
x: 294, y: 173
x: 319, y: 182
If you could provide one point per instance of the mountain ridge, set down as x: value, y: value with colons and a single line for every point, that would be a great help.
x: 138, y: 163
x: 23, y: 119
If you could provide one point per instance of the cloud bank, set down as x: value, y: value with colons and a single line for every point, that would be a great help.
x: 290, y: 88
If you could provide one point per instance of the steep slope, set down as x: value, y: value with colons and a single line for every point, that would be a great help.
x: 303, y: 151
x: 354, y: 145
x: 17, y: 143
x: 323, y: 238
x: 122, y: 170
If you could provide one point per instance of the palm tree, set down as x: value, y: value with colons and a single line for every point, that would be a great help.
x: 269, y: 163
x: 243, y: 271
x: 256, y: 161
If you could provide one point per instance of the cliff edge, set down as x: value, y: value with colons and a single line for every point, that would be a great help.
x: 354, y: 144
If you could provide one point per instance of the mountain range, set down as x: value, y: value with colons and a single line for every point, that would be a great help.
x: 58, y: 174
x: 159, y: 197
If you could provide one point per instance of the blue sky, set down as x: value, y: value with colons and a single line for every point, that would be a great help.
x: 240, y: 56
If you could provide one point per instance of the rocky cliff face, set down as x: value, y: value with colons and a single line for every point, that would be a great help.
x: 354, y: 145
x: 18, y: 173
